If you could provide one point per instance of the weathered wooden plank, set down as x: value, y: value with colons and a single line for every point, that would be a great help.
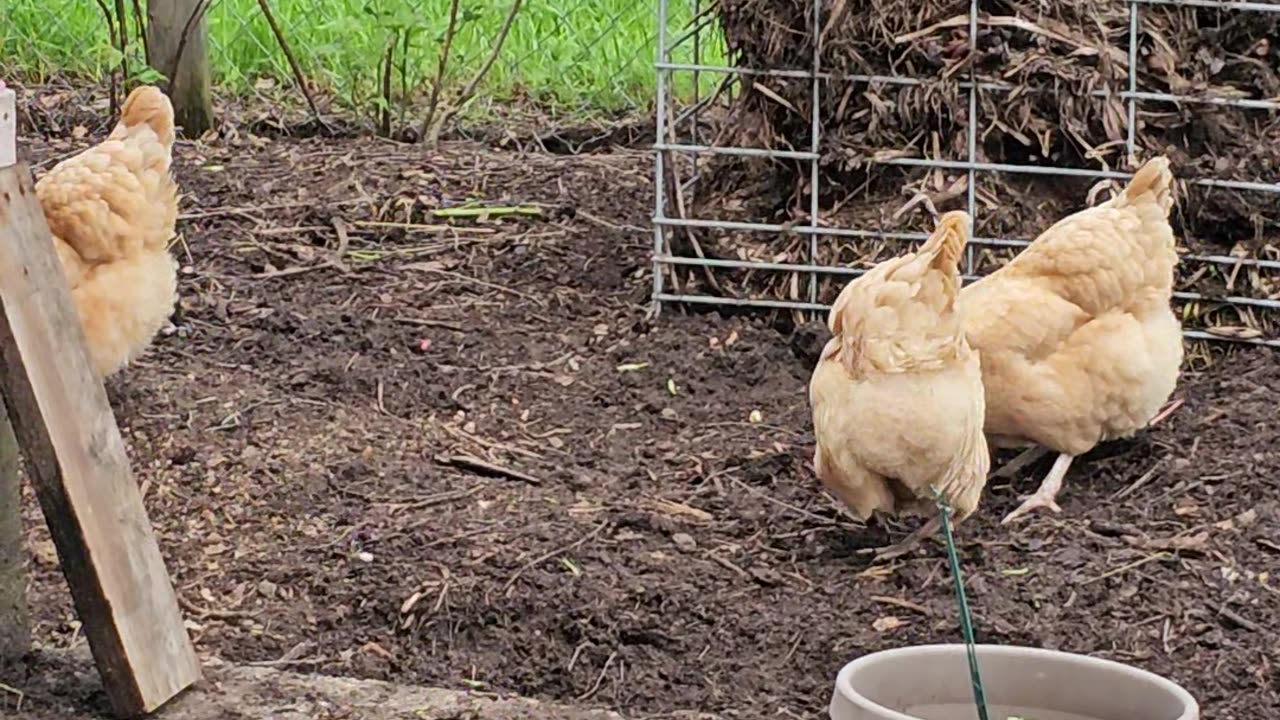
x: 76, y: 460
x: 15, y: 628
x: 15, y: 623
x: 8, y: 127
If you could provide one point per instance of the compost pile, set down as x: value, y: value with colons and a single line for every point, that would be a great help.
x: 1056, y: 63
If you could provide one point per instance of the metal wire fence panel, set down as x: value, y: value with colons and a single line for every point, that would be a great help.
x: 42, y: 37
x: 715, y: 245
x: 589, y: 55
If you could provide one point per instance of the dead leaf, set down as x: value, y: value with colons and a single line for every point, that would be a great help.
x: 887, y: 623
x: 671, y: 507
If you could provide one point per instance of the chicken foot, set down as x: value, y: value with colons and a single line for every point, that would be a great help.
x: 897, y: 550
x: 1046, y: 495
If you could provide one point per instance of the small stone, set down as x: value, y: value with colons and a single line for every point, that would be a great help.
x: 685, y: 542
x: 888, y: 623
x: 364, y: 556
x: 267, y: 589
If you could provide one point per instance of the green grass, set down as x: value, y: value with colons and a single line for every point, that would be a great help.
x: 575, y: 55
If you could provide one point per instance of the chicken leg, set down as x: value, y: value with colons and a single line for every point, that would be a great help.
x: 1046, y: 496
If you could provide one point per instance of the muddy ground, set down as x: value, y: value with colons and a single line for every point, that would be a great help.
x: 307, y: 443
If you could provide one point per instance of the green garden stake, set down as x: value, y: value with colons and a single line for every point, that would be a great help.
x: 966, y: 619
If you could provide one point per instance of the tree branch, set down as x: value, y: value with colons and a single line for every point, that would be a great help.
x: 470, y: 90
x: 298, y: 77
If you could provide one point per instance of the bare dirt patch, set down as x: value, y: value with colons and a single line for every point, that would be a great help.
x: 308, y: 443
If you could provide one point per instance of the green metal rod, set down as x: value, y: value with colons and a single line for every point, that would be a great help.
x: 966, y: 618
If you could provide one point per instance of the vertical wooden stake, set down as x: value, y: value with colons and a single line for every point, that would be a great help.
x: 15, y: 625
x: 77, y: 464
x: 15, y: 629
x: 179, y: 43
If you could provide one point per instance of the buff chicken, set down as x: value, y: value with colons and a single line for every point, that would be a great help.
x: 897, y: 393
x: 112, y: 211
x: 1079, y: 344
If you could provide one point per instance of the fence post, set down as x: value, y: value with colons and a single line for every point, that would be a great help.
x: 15, y: 631
x: 179, y: 42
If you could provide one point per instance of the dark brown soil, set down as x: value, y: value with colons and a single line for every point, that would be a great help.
x: 301, y: 443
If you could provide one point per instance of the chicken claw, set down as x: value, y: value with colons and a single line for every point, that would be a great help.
x: 1046, y: 496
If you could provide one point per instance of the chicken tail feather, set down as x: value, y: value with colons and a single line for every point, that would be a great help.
x: 1154, y: 178
x: 148, y: 106
x: 947, y: 242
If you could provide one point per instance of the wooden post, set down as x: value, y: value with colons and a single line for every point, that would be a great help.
x: 179, y: 43
x: 15, y: 629
x: 77, y: 464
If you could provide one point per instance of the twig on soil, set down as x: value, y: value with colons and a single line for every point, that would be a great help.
x: 543, y: 558
x: 1146, y: 478
x: 899, y: 602
x: 291, y: 271
x: 341, y: 228
x: 423, y: 322
x: 14, y: 691
x: 1128, y: 567
x: 600, y: 678
x: 483, y: 212
x: 343, y: 536
x: 420, y: 227
x: 286, y: 663
x: 1242, y: 621
x: 469, y: 462
x: 579, y: 212
x: 221, y: 212
x: 1165, y: 412
x: 431, y: 500
x: 728, y: 564
x: 199, y: 613
x: 800, y: 511
x: 427, y: 267
x: 791, y: 650
x: 464, y: 435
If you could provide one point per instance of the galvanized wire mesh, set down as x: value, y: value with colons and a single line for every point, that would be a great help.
x: 682, y: 143
x: 44, y: 37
